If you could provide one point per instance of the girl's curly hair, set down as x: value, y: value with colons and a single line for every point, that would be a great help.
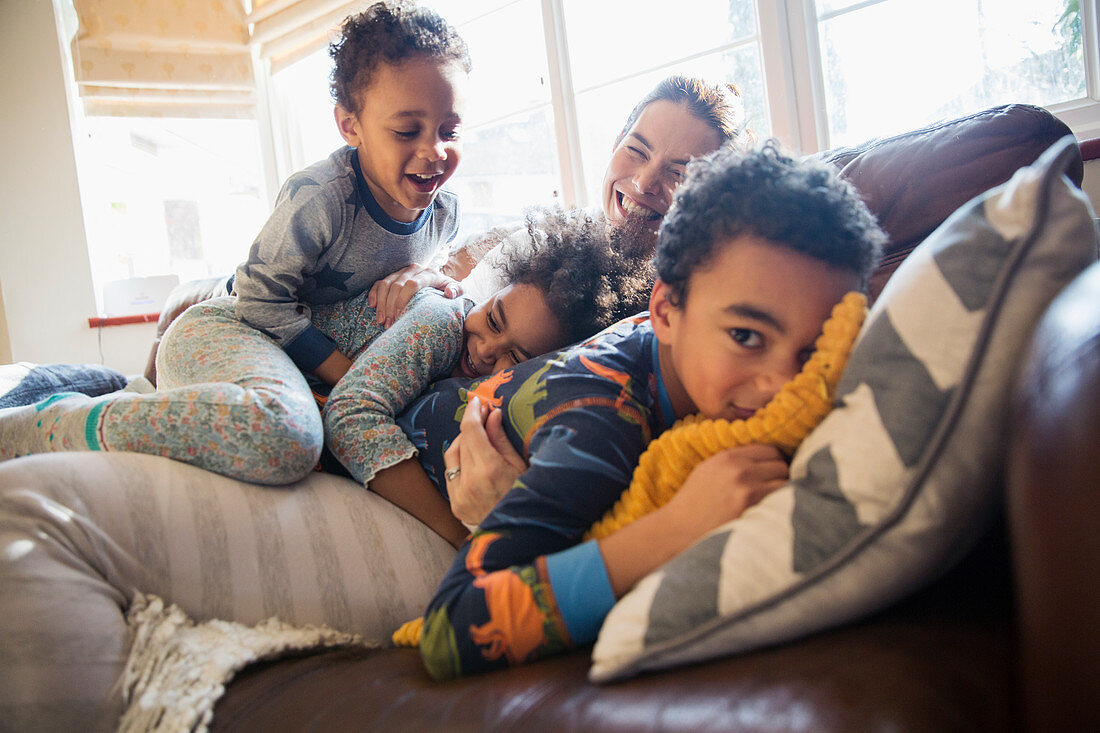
x: 591, y: 274
x: 388, y: 32
x: 797, y: 204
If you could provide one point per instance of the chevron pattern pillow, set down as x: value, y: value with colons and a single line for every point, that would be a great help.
x: 903, y: 476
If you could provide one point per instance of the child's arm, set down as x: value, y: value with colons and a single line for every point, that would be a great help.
x: 392, y: 369
x: 303, y: 224
x: 522, y: 588
x: 540, y: 593
x: 390, y: 295
x: 398, y: 365
x: 718, y: 490
x: 406, y: 485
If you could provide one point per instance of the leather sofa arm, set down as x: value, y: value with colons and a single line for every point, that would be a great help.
x: 182, y: 297
x: 1054, y: 513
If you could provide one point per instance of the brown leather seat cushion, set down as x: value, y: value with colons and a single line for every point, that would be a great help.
x: 939, y: 661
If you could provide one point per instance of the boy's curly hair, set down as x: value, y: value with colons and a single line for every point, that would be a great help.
x: 793, y: 203
x: 591, y: 274
x: 388, y: 32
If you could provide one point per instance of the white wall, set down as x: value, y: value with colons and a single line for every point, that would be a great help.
x: 1091, y: 183
x: 5, y: 344
x: 45, y: 278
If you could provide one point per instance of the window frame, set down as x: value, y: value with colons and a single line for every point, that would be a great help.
x: 798, y: 72
x: 792, y: 72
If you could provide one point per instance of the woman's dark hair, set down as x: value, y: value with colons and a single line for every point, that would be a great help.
x: 590, y: 274
x: 798, y: 204
x: 388, y: 32
x: 718, y: 105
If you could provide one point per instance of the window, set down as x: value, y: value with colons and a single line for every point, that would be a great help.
x: 547, y: 136
x: 510, y: 158
x: 617, y: 56
x: 168, y: 148
x: 169, y: 196
x: 553, y: 81
x: 876, y: 67
x: 302, y: 116
x: 953, y: 57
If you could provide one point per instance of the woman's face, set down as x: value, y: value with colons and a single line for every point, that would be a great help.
x: 648, y: 162
x: 513, y: 325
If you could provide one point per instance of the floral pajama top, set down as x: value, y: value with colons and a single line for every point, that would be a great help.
x: 391, y: 368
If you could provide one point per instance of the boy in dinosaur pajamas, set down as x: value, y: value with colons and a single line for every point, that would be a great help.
x: 751, y: 258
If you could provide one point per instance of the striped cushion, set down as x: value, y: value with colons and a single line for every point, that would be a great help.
x: 902, y: 477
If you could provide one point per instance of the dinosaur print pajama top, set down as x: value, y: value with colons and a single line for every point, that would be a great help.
x: 524, y: 586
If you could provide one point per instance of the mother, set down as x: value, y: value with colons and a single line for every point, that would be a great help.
x: 81, y: 534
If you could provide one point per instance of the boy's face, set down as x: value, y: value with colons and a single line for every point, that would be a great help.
x: 745, y: 328
x: 513, y: 325
x: 648, y: 162
x: 407, y: 132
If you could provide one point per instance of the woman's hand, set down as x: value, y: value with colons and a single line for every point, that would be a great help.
x: 718, y: 490
x: 488, y: 462
x: 465, y: 257
x: 391, y: 294
x: 460, y: 263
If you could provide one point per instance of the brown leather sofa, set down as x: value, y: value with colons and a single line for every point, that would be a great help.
x: 1007, y: 640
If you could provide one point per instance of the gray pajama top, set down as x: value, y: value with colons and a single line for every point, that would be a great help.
x: 328, y: 240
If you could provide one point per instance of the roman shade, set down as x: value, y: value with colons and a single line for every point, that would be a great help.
x: 176, y: 58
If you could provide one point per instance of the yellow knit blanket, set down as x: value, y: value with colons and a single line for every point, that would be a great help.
x: 784, y: 422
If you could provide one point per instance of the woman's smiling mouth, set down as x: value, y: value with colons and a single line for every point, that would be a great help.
x: 632, y: 208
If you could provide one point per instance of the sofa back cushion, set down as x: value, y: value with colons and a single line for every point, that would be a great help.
x: 913, y: 181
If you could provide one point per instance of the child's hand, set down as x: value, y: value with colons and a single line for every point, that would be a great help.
x: 391, y: 294
x: 723, y: 486
x: 489, y: 463
x: 718, y: 490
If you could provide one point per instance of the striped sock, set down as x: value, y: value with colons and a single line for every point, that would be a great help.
x: 66, y: 421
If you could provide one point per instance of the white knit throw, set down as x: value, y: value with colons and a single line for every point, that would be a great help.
x: 177, y: 669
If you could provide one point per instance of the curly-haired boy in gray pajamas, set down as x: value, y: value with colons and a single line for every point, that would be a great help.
x: 375, y: 206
